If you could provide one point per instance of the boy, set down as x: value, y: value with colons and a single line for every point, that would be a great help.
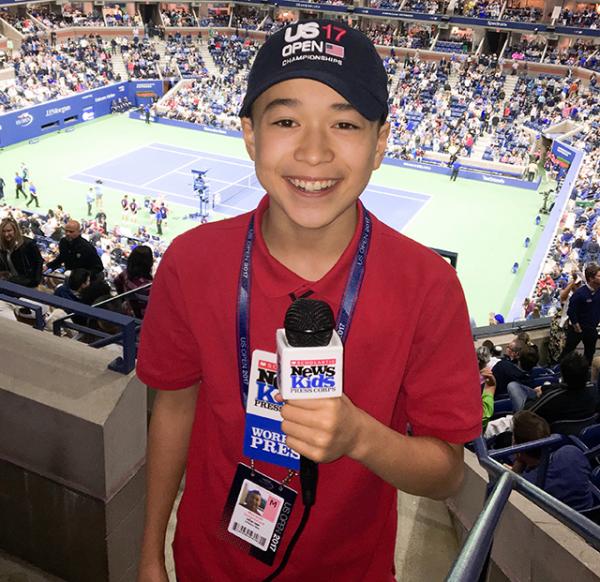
x: 314, y: 122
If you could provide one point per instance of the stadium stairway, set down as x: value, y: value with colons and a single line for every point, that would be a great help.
x: 119, y: 66
x: 481, y: 145
x: 453, y: 79
x: 161, y: 49
x: 486, y: 140
x: 208, y: 61
x: 509, y: 87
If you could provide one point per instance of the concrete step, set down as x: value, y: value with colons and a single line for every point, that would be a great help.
x: 119, y: 66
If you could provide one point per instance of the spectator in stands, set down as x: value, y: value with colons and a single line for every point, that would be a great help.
x: 568, y: 473
x: 488, y: 384
x: 137, y: 274
x: 507, y: 370
x: 74, y: 284
x: 76, y: 252
x: 584, y: 314
x: 573, y: 399
x: 20, y: 259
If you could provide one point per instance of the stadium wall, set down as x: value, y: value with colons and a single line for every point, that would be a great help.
x: 527, y: 287
x: 529, y: 544
x: 39, y: 120
x: 72, y: 454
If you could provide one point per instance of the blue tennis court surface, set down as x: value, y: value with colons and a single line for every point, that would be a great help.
x: 165, y: 170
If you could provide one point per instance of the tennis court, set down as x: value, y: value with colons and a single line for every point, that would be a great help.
x: 159, y: 169
x: 484, y: 223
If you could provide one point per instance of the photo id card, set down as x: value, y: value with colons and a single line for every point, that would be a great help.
x: 263, y: 438
x: 257, y: 512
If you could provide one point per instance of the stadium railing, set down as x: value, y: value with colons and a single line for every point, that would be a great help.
x: 125, y: 338
x: 472, y: 563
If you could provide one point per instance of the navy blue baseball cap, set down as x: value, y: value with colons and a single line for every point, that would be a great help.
x: 327, y: 51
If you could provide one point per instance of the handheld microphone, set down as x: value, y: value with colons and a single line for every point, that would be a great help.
x: 309, y: 353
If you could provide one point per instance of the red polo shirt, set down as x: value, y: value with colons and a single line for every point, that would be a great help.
x: 408, y: 360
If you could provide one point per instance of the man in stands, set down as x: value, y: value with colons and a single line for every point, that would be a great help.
x: 584, y: 314
x: 74, y: 252
x: 511, y: 368
x: 573, y: 399
x: 568, y: 474
x: 77, y: 281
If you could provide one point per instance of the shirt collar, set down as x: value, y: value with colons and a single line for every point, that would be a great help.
x: 276, y: 280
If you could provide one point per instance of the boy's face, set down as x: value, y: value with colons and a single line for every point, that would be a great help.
x: 314, y: 153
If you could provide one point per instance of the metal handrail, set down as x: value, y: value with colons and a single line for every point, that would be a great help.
x: 124, y: 364
x: 470, y: 564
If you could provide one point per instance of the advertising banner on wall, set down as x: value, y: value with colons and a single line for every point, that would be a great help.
x: 39, y: 120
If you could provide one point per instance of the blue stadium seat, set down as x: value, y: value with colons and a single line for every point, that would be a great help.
x: 573, y: 427
x: 595, y: 477
x: 590, y: 436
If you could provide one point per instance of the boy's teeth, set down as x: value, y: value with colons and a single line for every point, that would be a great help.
x: 313, y: 186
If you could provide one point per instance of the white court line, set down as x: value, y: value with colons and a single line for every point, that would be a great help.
x: 422, y: 197
x: 238, y: 183
x: 176, y: 170
x: 205, y: 156
x: 228, y: 184
x: 425, y: 203
x: 234, y: 207
x: 125, y: 153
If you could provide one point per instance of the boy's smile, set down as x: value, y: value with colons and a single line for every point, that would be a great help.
x: 314, y: 152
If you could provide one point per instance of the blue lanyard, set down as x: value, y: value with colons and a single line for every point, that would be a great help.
x: 345, y: 313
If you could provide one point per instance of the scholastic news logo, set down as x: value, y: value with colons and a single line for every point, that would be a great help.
x: 313, y: 375
x: 313, y: 41
x: 266, y: 386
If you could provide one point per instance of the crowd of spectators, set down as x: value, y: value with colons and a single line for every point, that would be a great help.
x: 579, y: 53
x: 209, y: 101
x: 587, y: 17
x: 526, y: 50
x: 522, y: 13
x: 115, y: 16
x: 140, y: 57
x: 398, y: 35
x: 185, y: 55
x: 247, y: 17
x: 577, y: 242
x: 479, y: 8
x: 128, y: 260
x: 178, y: 17
x: 386, y: 4
x: 214, y: 21
x: 44, y: 72
x: 232, y: 54
x: 428, y: 114
x: 425, y: 6
x: 21, y: 22
x: 70, y: 16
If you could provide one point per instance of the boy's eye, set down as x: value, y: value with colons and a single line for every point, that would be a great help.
x: 346, y: 125
x: 284, y: 123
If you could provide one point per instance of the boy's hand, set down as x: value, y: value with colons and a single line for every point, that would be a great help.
x: 322, y: 429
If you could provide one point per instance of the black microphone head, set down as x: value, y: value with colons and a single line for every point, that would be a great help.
x: 309, y: 323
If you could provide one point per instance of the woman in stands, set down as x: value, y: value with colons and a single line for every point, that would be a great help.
x: 20, y: 258
x: 137, y: 273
